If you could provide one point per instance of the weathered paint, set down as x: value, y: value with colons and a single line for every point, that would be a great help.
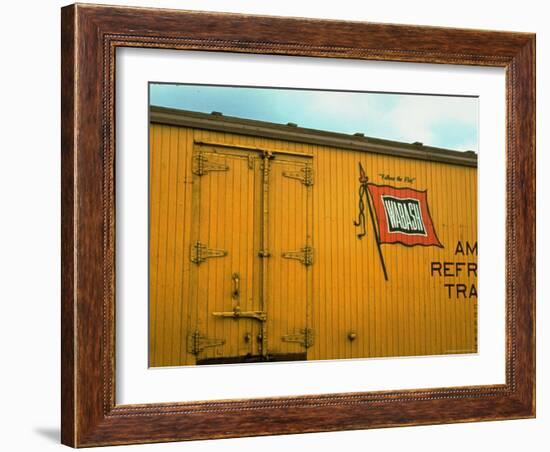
x: 343, y: 293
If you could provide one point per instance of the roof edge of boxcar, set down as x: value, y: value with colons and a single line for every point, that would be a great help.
x: 291, y: 132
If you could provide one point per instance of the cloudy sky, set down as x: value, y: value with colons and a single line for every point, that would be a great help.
x: 442, y: 121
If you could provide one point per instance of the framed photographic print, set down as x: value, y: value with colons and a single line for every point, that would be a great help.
x: 282, y: 225
x: 251, y: 258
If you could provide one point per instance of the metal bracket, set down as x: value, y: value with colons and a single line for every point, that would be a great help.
x: 203, y: 164
x: 305, y: 255
x: 251, y: 159
x: 238, y: 314
x: 200, y: 252
x: 306, y: 337
x: 196, y: 342
x: 304, y: 175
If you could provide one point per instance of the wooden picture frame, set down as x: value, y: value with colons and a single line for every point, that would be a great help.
x: 90, y: 37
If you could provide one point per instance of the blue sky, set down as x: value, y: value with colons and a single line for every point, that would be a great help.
x: 442, y: 121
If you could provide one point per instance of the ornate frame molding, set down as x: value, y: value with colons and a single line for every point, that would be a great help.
x: 90, y: 37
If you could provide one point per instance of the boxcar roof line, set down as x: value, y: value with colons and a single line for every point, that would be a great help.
x: 291, y: 132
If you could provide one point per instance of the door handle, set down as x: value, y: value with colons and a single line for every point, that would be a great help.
x: 236, y: 286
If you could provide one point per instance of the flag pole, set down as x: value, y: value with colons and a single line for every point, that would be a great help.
x: 375, y: 230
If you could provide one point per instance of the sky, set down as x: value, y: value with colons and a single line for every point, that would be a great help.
x: 443, y: 121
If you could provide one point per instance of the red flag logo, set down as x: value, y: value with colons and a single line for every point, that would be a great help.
x: 403, y: 216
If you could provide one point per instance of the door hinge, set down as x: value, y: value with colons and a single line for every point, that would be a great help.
x: 305, y: 337
x: 203, y: 164
x: 304, y: 255
x: 304, y: 175
x: 200, y: 252
x: 196, y: 342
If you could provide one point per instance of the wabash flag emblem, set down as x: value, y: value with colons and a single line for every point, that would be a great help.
x: 403, y: 216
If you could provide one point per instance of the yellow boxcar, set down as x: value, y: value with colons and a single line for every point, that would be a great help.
x: 263, y: 246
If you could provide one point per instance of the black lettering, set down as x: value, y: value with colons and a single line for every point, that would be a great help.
x: 449, y: 289
x: 447, y: 269
x: 459, y: 266
x: 473, y: 291
x: 471, y: 249
x: 436, y: 267
x: 459, y: 248
x: 460, y: 289
x: 472, y: 268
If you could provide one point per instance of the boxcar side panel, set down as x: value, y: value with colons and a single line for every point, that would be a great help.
x: 427, y: 306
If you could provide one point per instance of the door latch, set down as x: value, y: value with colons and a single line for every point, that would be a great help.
x: 236, y: 286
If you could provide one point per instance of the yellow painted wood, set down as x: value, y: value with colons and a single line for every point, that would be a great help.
x: 169, y: 230
x: 411, y: 314
x: 289, y: 280
x: 224, y: 210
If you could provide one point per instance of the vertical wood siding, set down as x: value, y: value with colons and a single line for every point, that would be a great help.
x: 288, y: 283
x: 224, y: 213
x: 410, y: 314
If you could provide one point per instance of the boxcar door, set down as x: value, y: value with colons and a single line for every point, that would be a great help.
x: 288, y: 280
x: 223, y: 302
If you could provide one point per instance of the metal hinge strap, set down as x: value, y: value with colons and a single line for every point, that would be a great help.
x: 196, y: 342
x: 304, y: 255
x: 306, y: 337
x: 200, y: 252
x: 304, y: 175
x: 203, y: 164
